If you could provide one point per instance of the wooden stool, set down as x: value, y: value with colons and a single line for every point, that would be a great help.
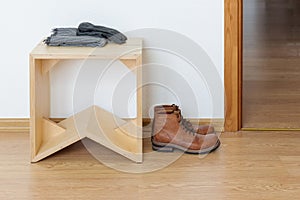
x: 48, y: 137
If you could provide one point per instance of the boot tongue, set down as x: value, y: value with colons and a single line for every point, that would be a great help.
x: 178, y: 114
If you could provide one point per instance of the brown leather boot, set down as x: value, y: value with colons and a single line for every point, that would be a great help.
x: 170, y: 133
x: 200, y: 129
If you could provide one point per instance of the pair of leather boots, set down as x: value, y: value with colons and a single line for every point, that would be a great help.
x: 171, y: 131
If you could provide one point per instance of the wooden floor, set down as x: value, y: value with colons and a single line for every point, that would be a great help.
x: 248, y: 165
x: 271, y: 64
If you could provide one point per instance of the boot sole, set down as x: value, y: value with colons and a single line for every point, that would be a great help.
x: 167, y: 147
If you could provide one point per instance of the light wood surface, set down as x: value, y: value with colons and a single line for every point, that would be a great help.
x: 130, y: 50
x: 232, y: 64
x: 48, y: 137
x: 248, y: 166
x: 39, y: 103
x: 271, y: 97
x: 48, y: 64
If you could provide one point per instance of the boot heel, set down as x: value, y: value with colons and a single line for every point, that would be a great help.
x: 162, y: 148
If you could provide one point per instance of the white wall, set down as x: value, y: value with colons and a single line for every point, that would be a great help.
x: 25, y: 23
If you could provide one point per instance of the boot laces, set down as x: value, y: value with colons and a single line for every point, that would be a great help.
x: 187, y: 123
x: 187, y: 126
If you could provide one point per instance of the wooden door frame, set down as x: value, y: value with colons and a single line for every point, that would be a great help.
x: 233, y: 64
